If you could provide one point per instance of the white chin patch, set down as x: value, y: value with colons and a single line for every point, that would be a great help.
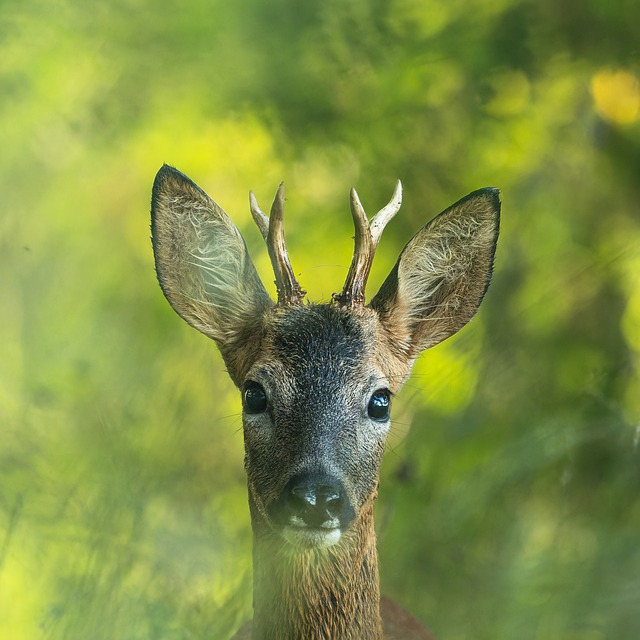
x: 311, y: 538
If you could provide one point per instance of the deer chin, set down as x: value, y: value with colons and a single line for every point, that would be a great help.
x: 311, y: 537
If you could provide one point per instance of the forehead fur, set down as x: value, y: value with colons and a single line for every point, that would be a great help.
x: 300, y: 331
x: 316, y: 340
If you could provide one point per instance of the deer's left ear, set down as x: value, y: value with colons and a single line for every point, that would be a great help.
x: 442, y: 274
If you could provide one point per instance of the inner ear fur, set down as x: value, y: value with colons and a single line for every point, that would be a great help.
x: 442, y: 274
x: 203, y: 266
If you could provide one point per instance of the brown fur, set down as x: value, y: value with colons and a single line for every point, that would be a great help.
x: 338, y: 589
x: 315, y: 594
x: 397, y: 624
x: 318, y: 366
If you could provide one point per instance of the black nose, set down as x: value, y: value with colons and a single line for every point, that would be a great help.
x: 313, y: 500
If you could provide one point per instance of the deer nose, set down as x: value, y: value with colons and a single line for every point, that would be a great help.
x: 314, y: 501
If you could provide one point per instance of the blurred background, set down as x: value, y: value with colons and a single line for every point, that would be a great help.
x: 510, y: 499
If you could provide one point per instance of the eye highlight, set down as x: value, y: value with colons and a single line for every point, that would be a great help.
x: 254, y: 397
x: 379, y: 405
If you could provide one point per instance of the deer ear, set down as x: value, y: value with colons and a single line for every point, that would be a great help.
x: 202, y: 262
x: 442, y: 274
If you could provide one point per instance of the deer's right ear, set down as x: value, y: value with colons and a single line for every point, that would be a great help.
x: 202, y: 262
x: 442, y: 274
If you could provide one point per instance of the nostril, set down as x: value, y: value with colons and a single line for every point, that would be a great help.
x: 331, y: 502
x: 303, y: 496
x: 328, y: 494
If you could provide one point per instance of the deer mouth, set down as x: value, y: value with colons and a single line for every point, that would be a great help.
x: 306, y: 537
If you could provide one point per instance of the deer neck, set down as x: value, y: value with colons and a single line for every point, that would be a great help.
x: 316, y: 594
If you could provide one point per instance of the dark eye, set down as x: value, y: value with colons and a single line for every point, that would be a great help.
x: 254, y: 398
x: 379, y: 405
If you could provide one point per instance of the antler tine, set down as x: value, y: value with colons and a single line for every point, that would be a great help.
x: 366, y: 239
x: 272, y: 230
x: 258, y: 216
x: 353, y: 290
x: 380, y: 220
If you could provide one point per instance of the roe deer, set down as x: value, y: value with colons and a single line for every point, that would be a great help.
x: 317, y: 382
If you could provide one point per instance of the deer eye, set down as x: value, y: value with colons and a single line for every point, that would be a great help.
x: 379, y: 405
x: 254, y: 398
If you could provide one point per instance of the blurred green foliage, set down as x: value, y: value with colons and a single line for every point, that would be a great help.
x: 510, y: 500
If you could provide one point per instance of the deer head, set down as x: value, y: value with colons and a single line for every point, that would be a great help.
x: 317, y: 380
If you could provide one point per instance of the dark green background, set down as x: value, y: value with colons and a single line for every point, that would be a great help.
x: 509, y: 506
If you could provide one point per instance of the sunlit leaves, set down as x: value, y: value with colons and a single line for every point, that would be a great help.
x: 616, y: 95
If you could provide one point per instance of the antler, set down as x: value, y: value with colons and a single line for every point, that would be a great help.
x: 272, y: 229
x: 367, y: 237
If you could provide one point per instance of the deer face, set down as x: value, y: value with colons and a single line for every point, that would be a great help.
x: 317, y: 380
x: 316, y: 413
